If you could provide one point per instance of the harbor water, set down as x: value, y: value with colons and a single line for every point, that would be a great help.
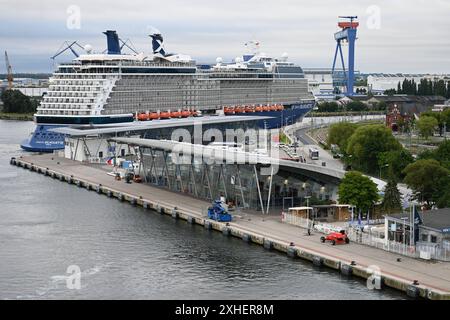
x: 125, y: 252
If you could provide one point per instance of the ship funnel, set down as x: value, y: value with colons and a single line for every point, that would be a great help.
x: 113, y: 42
x: 157, y: 44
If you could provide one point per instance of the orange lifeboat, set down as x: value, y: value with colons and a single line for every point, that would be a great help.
x: 185, y: 113
x: 228, y: 110
x: 273, y: 108
x: 238, y: 109
x: 258, y: 109
x: 142, y: 117
x: 164, y: 115
x: 280, y: 107
x: 266, y: 108
x: 249, y: 109
x: 193, y: 113
x: 153, y: 116
x: 175, y: 114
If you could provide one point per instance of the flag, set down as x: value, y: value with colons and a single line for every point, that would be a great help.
x: 417, y: 218
x: 109, y: 161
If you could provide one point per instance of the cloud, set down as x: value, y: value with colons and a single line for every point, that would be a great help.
x: 412, y: 35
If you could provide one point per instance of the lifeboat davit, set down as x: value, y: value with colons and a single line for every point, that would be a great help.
x: 266, y: 108
x: 228, y: 110
x: 185, y: 113
x: 142, y: 117
x: 164, y: 115
x: 153, y: 116
x: 175, y: 114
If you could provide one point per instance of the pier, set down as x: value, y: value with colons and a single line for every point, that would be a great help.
x: 416, y: 278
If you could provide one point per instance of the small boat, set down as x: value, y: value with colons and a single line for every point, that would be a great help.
x: 153, y: 116
x: 258, y: 109
x: 238, y: 109
x: 249, y: 109
x: 228, y: 110
x: 175, y: 114
x: 164, y: 115
x: 142, y: 117
x: 185, y: 113
x: 273, y: 107
x: 265, y: 108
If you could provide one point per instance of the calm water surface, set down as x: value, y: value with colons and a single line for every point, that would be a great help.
x: 126, y: 252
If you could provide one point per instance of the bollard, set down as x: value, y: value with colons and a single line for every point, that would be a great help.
x: 99, y: 188
x: 120, y: 197
x: 79, y: 184
x: 174, y: 213
x: 133, y: 201
x: 109, y: 194
x: 61, y: 178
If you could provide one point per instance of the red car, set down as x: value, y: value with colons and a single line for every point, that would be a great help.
x: 336, y: 238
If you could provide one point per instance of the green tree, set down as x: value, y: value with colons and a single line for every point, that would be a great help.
x: 339, y: 133
x: 358, y: 190
x: 428, y: 180
x: 366, y: 143
x: 442, y: 154
x: 426, y: 126
x: 328, y: 107
x: 396, y: 161
x: 15, y: 101
x: 392, y: 199
x: 356, y: 106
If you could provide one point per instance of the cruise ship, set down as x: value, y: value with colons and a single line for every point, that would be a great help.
x: 113, y: 87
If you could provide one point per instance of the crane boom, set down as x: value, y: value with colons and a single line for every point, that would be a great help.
x: 9, y: 72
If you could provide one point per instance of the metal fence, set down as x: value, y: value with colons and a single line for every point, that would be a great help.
x: 434, y: 251
x: 374, y: 240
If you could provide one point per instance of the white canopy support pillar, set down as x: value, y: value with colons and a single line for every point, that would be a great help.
x: 259, y: 189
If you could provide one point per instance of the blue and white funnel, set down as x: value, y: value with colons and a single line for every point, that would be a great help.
x: 157, y: 43
x: 113, y: 42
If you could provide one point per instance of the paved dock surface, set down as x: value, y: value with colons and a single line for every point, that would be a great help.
x: 434, y: 275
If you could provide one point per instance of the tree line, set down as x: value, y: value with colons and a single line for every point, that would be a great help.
x: 372, y: 149
x: 14, y: 101
x: 426, y: 87
x: 333, y: 106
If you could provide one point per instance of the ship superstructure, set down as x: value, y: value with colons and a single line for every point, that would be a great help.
x: 112, y: 87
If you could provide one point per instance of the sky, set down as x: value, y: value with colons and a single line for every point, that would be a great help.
x: 409, y: 36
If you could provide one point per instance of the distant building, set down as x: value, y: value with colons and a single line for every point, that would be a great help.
x: 404, y: 107
x: 432, y: 239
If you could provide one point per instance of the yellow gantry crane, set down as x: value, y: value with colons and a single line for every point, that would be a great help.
x: 9, y: 72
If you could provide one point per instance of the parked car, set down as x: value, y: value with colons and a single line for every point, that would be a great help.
x: 336, y: 238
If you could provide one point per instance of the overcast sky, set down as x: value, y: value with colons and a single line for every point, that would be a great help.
x: 394, y: 35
